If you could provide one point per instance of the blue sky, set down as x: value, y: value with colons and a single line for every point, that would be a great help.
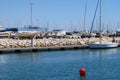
x: 61, y: 14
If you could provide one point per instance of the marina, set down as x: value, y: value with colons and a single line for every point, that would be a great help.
x: 59, y: 40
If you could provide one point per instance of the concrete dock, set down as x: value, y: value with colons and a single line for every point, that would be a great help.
x: 36, y: 49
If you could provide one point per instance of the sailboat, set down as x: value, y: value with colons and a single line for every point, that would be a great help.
x: 101, y: 44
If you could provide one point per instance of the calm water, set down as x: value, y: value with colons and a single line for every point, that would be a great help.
x: 61, y: 65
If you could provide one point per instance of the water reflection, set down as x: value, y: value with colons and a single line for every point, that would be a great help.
x: 82, y: 77
x: 100, y: 63
x: 3, y: 58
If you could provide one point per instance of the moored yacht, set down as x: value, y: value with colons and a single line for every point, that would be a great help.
x: 100, y: 44
x: 103, y: 45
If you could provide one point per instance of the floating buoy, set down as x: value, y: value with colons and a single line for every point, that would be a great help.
x: 82, y: 72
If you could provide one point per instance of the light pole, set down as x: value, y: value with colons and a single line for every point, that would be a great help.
x: 85, y: 16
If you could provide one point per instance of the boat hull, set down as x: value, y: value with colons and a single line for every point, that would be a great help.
x: 102, y: 45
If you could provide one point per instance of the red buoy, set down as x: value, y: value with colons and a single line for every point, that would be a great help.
x: 82, y: 72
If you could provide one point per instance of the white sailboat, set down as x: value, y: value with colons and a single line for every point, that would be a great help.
x: 101, y: 44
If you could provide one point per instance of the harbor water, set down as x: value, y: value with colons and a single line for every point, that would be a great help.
x: 100, y: 64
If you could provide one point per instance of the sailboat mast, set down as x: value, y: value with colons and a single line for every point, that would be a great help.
x: 31, y: 4
x: 100, y: 28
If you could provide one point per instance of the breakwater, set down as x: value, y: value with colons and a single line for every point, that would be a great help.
x: 51, y: 42
x: 28, y: 45
x: 15, y: 45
